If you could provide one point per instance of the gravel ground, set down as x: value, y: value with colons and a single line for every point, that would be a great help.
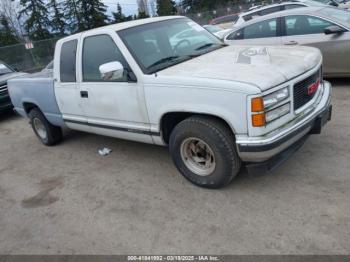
x: 69, y: 200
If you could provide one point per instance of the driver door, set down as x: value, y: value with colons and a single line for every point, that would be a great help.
x: 113, y: 107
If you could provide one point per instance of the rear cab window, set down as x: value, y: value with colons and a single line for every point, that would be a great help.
x: 68, y: 61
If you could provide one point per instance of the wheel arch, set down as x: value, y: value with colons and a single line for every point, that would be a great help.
x: 169, y: 120
x: 28, y: 106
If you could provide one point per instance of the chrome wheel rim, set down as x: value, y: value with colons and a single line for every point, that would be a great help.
x: 198, y: 156
x: 40, y: 128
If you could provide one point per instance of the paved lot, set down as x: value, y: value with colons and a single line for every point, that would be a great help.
x: 67, y: 199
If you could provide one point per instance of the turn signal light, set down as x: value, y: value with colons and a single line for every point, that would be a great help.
x: 258, y: 120
x: 257, y: 104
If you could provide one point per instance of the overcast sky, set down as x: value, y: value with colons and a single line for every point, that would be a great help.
x: 129, y: 6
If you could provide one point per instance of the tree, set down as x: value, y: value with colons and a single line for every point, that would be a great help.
x: 93, y: 13
x: 73, y: 15
x: 118, y: 16
x: 142, y: 15
x: 194, y: 6
x: 58, y: 23
x: 7, y: 35
x: 9, y: 10
x: 166, y: 7
x: 36, y: 19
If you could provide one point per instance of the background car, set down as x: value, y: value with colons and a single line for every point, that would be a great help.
x: 217, y: 31
x: 344, y: 4
x: 326, y: 2
x: 225, y: 22
x: 6, y: 73
x: 269, y: 9
x: 326, y: 28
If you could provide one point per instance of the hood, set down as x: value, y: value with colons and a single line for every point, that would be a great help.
x: 264, y: 67
x: 6, y: 77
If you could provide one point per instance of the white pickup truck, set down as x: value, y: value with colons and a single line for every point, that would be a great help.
x: 214, y: 106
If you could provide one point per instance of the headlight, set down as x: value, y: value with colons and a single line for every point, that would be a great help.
x: 277, y: 112
x: 260, y: 107
x: 276, y: 97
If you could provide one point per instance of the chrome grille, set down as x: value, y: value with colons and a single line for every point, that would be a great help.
x: 301, y: 96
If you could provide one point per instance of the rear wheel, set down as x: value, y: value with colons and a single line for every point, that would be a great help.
x: 47, y: 133
x: 203, y: 149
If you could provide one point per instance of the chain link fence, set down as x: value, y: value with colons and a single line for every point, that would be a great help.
x: 29, y: 60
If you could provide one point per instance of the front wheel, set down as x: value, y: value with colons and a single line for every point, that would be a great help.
x: 203, y: 150
x: 47, y: 133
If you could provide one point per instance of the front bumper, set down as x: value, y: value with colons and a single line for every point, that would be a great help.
x: 262, y: 149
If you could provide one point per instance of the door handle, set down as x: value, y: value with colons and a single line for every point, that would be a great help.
x: 84, y: 94
x: 291, y: 43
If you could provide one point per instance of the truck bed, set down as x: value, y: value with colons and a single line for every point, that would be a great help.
x: 35, y: 89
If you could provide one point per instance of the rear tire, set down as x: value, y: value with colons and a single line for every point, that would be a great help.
x: 47, y: 133
x: 203, y: 150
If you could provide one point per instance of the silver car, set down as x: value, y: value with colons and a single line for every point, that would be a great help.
x: 259, y: 11
x: 326, y: 28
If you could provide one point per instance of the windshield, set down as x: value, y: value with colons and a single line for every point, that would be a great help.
x: 337, y: 14
x: 4, y: 69
x: 156, y: 46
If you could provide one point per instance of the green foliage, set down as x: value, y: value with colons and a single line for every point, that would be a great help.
x: 73, y: 16
x: 166, y: 7
x: 7, y: 35
x: 142, y: 15
x: 93, y: 13
x: 57, y: 22
x: 36, y: 18
x: 193, y: 6
x: 119, y: 17
x: 83, y: 15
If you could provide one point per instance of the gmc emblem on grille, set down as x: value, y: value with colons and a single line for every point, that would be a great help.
x: 313, y: 88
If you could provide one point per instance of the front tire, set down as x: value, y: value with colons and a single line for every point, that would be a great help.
x: 203, y: 150
x: 47, y: 133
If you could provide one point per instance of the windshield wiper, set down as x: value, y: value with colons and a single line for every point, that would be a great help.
x: 208, y: 45
x: 163, y: 60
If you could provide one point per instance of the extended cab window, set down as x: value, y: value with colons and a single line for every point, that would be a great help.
x: 99, y: 50
x: 305, y: 25
x: 263, y: 29
x: 68, y: 61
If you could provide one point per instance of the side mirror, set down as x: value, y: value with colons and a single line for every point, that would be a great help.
x: 111, y: 71
x: 334, y: 29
